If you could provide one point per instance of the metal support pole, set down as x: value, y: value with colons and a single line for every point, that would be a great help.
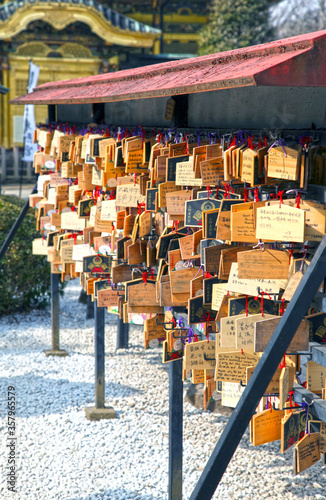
x: 55, y: 351
x: 90, y: 308
x: 99, y: 411
x: 122, y: 335
x: 15, y: 227
x: 175, y: 430
x: 99, y: 356
x: 277, y: 346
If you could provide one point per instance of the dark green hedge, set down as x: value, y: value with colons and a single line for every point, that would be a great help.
x: 24, y: 278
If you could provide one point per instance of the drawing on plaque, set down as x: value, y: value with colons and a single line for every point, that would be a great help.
x: 97, y: 264
x: 171, y: 355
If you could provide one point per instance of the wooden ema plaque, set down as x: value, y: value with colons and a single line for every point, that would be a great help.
x: 194, y: 355
x: 320, y: 427
x: 198, y: 312
x: 172, y: 347
x: 307, y: 452
x: 231, y: 366
x: 228, y: 331
x: 266, y: 426
x: 245, y: 330
x: 152, y: 330
x: 264, y: 329
x: 237, y: 305
x: 142, y: 298
x: 274, y: 384
x: 107, y: 298
x: 281, y: 223
x: 242, y: 223
x: 283, y: 163
x: 97, y: 264
x: 270, y: 264
x: 315, y: 377
x: 250, y: 286
x: 231, y: 394
x: 293, y: 427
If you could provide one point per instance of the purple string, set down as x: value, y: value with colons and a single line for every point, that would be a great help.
x: 280, y: 142
x: 305, y: 406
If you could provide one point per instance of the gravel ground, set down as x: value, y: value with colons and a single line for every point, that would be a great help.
x: 63, y: 456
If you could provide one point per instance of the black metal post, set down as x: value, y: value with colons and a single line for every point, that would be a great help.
x: 55, y: 351
x: 55, y: 311
x: 100, y: 410
x: 14, y: 229
x: 99, y: 356
x: 175, y: 430
x: 89, y: 308
x: 262, y: 375
x: 122, y: 335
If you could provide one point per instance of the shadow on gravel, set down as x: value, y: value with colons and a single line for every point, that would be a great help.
x: 114, y: 495
x: 37, y: 395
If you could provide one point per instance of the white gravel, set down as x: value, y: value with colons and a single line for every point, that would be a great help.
x: 63, y: 456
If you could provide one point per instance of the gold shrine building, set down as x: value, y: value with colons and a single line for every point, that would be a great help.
x: 76, y: 38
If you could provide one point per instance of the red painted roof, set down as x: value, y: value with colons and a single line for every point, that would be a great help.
x: 297, y: 62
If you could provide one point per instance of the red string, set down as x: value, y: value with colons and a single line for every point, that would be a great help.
x: 227, y: 191
x: 245, y: 194
x: 209, y: 191
x: 207, y: 317
x: 282, y: 307
x: 144, y: 133
x: 256, y: 194
x: 207, y: 274
x: 298, y: 196
x: 97, y: 193
x: 246, y: 305
x: 196, y: 337
x: 282, y: 365
x: 217, y: 191
x: 280, y: 196
x: 262, y: 301
x: 140, y: 205
x: 250, y: 141
x: 145, y: 276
